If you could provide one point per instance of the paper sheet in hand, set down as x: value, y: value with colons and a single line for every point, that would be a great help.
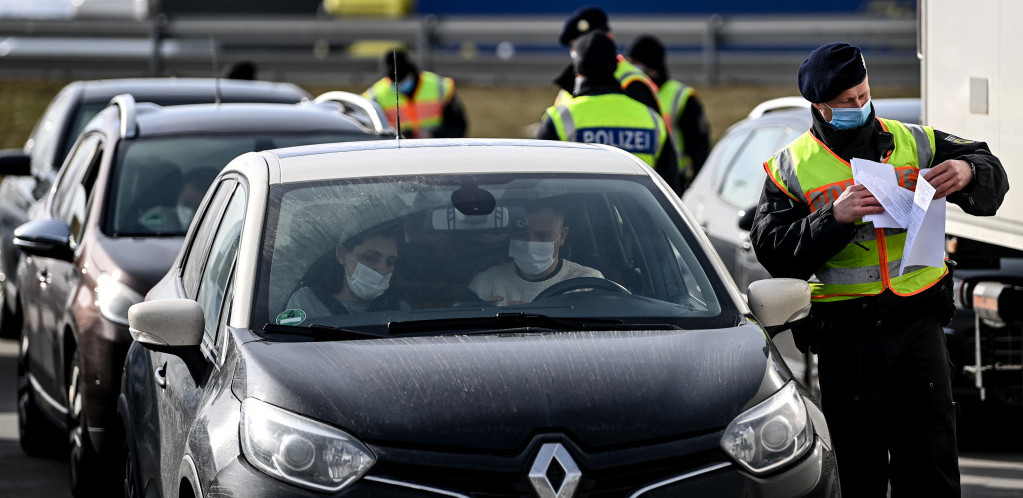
x: 872, y: 172
x: 925, y: 234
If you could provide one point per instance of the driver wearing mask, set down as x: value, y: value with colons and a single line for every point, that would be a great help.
x: 536, y: 263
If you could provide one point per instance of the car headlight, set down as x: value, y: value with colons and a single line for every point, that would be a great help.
x: 114, y: 298
x: 772, y: 434
x: 299, y: 450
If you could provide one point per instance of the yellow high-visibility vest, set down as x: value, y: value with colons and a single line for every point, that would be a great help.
x: 423, y: 111
x: 613, y: 119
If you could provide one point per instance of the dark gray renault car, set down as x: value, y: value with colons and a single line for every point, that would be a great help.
x: 331, y: 328
x: 109, y: 229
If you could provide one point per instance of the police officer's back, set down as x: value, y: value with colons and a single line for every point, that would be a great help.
x: 602, y: 113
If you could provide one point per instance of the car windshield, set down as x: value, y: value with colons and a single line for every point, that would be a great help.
x: 442, y: 252
x: 159, y: 181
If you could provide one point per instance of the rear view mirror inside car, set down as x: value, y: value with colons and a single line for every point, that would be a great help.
x: 501, y: 218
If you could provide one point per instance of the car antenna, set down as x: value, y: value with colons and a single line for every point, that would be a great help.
x: 397, y: 100
x: 216, y: 73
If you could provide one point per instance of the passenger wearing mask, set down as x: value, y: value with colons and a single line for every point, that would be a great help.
x: 536, y: 261
x: 602, y: 113
x: 633, y: 81
x: 425, y: 102
x: 367, y: 261
x: 681, y: 108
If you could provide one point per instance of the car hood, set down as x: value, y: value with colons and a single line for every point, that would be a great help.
x: 495, y: 391
x: 141, y: 261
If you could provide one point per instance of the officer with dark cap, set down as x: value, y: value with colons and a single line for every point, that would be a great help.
x: 680, y: 105
x: 884, y: 368
x: 633, y: 81
x: 425, y: 102
x: 602, y: 113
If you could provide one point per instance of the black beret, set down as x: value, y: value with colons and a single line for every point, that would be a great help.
x: 397, y: 64
x: 582, y: 21
x: 830, y: 70
x: 648, y: 51
x: 594, y: 55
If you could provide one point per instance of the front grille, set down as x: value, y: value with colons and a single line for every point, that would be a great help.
x: 604, y: 475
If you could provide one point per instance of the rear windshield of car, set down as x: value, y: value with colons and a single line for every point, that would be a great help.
x: 158, y: 182
x: 454, y: 247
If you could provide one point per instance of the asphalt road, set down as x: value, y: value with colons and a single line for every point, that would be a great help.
x: 991, y: 458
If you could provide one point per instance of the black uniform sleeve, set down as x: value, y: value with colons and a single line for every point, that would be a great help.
x: 546, y: 130
x: 455, y: 124
x: 985, y: 193
x: 789, y: 240
x: 695, y: 132
x: 667, y: 166
x: 639, y: 91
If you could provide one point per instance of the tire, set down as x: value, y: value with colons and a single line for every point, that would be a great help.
x: 86, y: 473
x: 130, y: 479
x: 37, y: 435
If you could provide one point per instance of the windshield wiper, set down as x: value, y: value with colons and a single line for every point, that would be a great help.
x: 506, y: 321
x: 318, y: 331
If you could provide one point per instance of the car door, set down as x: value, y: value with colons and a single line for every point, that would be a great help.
x: 206, y: 270
x: 48, y: 284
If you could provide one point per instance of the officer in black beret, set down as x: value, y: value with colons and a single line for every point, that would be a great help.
x: 633, y: 81
x: 884, y: 369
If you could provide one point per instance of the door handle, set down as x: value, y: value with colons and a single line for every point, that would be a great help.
x: 160, y: 374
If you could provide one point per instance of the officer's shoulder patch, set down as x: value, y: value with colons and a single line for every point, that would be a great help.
x: 956, y: 140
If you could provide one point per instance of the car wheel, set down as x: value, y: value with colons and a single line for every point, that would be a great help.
x: 132, y: 486
x: 37, y: 435
x: 83, y: 458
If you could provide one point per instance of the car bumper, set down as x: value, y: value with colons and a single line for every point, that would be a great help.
x: 816, y: 475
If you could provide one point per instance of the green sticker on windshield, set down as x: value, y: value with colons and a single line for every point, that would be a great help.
x: 291, y: 317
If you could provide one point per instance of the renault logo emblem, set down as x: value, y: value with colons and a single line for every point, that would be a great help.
x: 554, y: 462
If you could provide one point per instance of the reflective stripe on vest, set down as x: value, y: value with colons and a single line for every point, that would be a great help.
x: 675, y: 95
x: 425, y: 110
x: 812, y: 174
x: 611, y: 119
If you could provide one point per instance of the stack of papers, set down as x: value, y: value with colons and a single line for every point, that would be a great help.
x: 918, y: 212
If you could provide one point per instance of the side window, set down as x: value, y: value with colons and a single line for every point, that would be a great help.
x: 74, y: 188
x: 195, y: 257
x: 745, y: 177
x: 46, y: 136
x: 217, y: 271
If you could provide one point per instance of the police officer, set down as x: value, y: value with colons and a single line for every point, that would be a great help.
x: 682, y: 109
x: 425, y: 102
x: 600, y: 112
x: 633, y: 81
x: 884, y: 369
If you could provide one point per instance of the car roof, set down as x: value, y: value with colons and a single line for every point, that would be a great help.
x: 176, y: 90
x: 456, y: 156
x: 154, y: 120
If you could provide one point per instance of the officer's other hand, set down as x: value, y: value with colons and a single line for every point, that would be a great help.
x: 855, y: 202
x: 949, y: 177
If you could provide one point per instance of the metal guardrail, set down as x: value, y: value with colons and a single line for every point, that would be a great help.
x: 480, y: 50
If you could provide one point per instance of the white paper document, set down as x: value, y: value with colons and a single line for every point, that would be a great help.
x: 917, y: 212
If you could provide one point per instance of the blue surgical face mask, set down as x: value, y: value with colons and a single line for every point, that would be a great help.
x: 847, y: 118
x: 407, y: 84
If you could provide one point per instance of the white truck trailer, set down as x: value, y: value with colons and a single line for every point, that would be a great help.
x: 972, y: 86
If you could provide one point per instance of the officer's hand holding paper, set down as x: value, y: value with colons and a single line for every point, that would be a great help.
x: 917, y: 212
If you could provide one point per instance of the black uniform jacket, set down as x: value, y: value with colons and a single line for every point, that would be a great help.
x: 667, y: 162
x: 790, y: 241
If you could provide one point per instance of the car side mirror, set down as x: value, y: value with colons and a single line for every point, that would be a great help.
x: 166, y: 325
x: 15, y: 162
x: 779, y: 303
x: 746, y: 218
x: 49, y: 238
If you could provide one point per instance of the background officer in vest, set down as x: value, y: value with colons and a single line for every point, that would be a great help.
x: 426, y: 102
x: 884, y: 369
x: 682, y: 109
x: 600, y: 112
x: 633, y: 81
